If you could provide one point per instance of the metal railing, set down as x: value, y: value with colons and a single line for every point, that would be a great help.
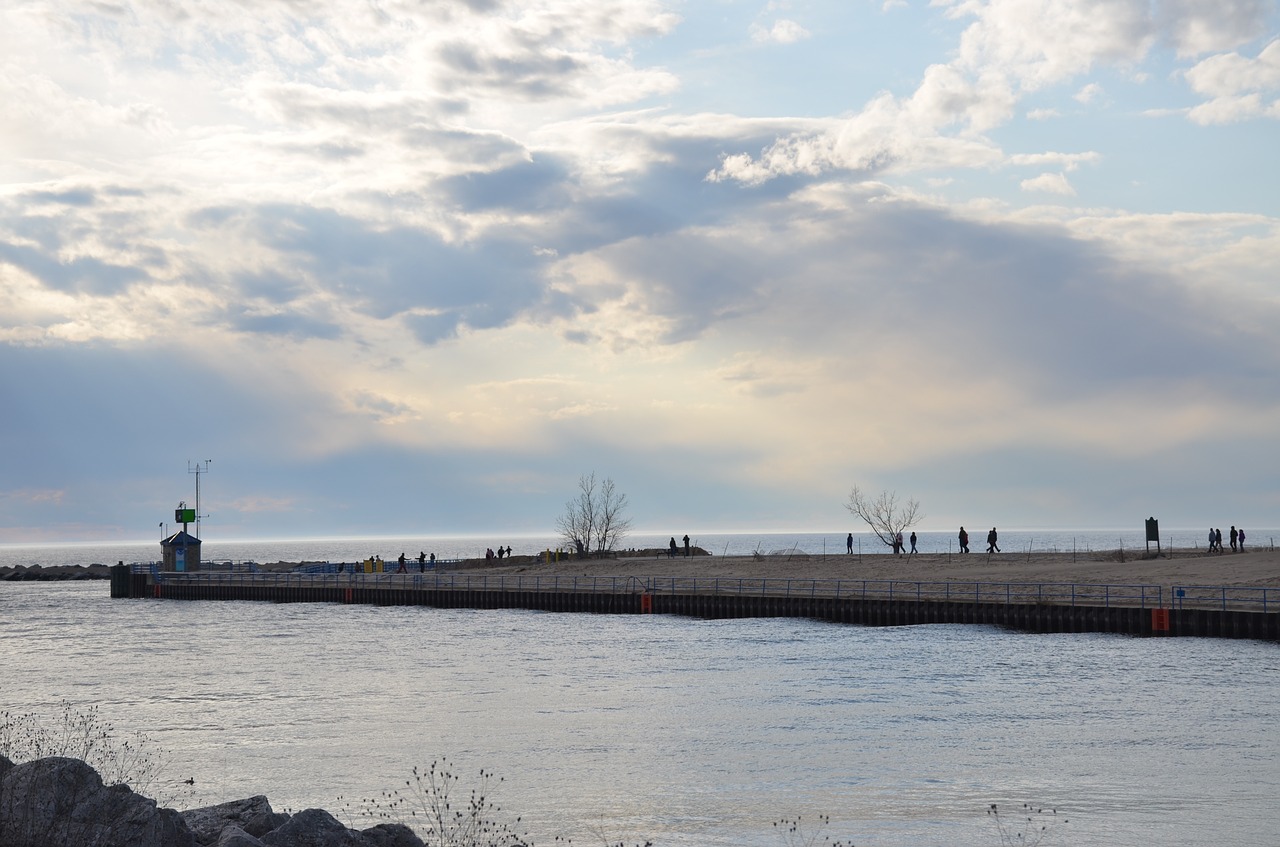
x: 1225, y: 598
x: 1073, y: 594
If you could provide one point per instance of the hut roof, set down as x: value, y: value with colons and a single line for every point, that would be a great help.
x: 181, y: 538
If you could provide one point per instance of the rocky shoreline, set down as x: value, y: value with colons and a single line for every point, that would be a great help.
x: 53, y: 573
x: 57, y: 801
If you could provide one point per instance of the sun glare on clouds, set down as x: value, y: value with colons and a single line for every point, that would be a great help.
x: 497, y: 236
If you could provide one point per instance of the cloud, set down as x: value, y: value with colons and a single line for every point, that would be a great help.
x: 1089, y: 93
x: 1238, y: 88
x: 1009, y: 50
x: 783, y: 31
x: 1048, y: 182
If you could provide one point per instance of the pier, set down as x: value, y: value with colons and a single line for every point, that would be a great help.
x: 1139, y: 610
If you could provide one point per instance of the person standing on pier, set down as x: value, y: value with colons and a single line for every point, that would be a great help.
x: 686, y: 545
x: 848, y: 543
x: 402, y: 568
x: 964, y: 541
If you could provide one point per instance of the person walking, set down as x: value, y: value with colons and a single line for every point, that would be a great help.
x: 964, y: 541
x: 1235, y: 538
x: 848, y: 543
x: 1218, y: 540
x: 671, y: 548
x: 1241, y: 539
x: 913, y: 543
x: 1213, y: 540
x: 992, y: 538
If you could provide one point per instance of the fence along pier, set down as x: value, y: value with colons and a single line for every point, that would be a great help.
x: 1144, y: 610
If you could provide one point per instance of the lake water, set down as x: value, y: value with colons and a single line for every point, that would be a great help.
x: 684, y: 731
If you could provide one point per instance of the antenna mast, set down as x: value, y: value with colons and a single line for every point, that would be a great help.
x: 198, y: 468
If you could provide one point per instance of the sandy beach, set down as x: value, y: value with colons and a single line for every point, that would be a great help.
x: 1259, y: 567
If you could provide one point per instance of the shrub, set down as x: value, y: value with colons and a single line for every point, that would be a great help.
x: 80, y: 732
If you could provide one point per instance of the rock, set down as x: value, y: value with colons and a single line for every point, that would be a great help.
x: 314, y: 828
x: 391, y: 835
x: 5, y: 764
x: 254, y: 816
x: 234, y: 836
x: 57, y: 801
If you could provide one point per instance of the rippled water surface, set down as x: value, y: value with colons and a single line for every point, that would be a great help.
x: 684, y: 731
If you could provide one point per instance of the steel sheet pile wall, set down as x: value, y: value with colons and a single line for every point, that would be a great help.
x: 1031, y: 617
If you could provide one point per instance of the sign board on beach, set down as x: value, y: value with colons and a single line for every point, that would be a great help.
x: 184, y: 515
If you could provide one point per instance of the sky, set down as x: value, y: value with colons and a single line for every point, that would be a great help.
x: 416, y: 266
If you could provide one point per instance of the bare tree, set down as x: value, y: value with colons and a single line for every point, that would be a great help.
x: 594, y: 521
x: 885, y: 515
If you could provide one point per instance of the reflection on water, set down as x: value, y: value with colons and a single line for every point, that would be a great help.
x: 688, y: 732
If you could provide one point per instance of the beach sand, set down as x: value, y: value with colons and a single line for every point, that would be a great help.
x: 1259, y: 567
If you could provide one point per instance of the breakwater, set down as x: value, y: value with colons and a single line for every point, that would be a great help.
x: 1140, y: 610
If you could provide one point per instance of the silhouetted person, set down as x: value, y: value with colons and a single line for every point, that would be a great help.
x: 686, y: 546
x: 671, y: 551
x: 1213, y: 540
x: 913, y: 542
x: 500, y: 552
x: 1235, y: 538
x: 898, y: 546
x: 402, y: 568
x: 1241, y: 539
x: 848, y: 542
x: 1219, y: 539
x: 964, y: 541
x: 422, y: 562
x: 508, y: 551
x: 992, y: 537
x: 433, y: 560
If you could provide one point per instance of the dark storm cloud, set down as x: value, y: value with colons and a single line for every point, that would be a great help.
x: 290, y: 325
x: 525, y: 186
x: 81, y: 275
x: 535, y: 74
x: 1060, y: 311
x: 70, y: 197
x: 385, y: 272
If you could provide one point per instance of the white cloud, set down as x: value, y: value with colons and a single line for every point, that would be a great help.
x: 1050, y: 183
x: 1067, y: 161
x: 1089, y: 93
x: 1239, y: 88
x: 783, y: 31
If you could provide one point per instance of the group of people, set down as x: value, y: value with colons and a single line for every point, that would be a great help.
x: 898, y: 546
x: 673, y: 551
x: 993, y: 539
x: 489, y: 555
x: 1237, y: 540
x: 422, y: 562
